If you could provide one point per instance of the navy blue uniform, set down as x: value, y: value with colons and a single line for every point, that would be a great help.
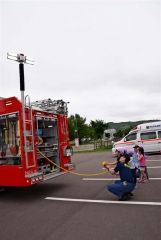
x: 125, y: 184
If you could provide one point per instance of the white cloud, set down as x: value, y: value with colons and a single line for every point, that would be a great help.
x: 102, y: 56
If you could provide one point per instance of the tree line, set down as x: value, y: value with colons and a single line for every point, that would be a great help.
x: 78, y: 128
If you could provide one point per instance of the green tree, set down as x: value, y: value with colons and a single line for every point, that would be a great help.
x: 79, y: 128
x: 127, y: 130
x: 121, y: 132
x: 98, y: 126
x: 71, y: 122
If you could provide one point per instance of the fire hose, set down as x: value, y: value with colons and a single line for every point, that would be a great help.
x: 74, y: 173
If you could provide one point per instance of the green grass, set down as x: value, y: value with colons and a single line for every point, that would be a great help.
x: 102, y: 149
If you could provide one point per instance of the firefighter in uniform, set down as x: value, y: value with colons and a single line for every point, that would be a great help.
x: 122, y: 188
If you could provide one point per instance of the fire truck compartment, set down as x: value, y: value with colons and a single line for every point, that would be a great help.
x: 47, y: 133
x: 9, y: 140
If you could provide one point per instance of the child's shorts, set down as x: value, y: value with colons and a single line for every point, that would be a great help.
x: 142, y: 168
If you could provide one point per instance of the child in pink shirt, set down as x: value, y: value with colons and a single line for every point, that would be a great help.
x: 142, y: 165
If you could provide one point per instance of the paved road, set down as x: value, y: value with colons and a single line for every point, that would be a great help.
x: 25, y: 214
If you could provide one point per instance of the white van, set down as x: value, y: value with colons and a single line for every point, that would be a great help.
x: 147, y: 135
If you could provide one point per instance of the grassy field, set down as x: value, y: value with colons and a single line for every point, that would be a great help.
x: 101, y: 149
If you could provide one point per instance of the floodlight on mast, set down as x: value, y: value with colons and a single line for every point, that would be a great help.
x: 21, y: 59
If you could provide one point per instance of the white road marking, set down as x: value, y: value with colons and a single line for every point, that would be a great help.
x: 104, y: 201
x: 153, y: 160
x: 100, y: 179
x: 155, y: 167
x: 110, y: 179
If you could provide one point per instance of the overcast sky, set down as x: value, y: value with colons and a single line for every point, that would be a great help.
x: 103, y: 56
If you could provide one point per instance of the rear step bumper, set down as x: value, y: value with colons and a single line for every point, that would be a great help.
x: 53, y: 175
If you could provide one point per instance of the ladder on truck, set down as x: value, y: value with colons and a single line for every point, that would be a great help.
x: 29, y: 146
x: 53, y: 106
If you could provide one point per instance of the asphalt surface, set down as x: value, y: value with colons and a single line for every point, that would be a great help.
x: 26, y: 214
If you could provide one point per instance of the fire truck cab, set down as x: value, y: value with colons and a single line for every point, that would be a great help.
x: 29, y: 136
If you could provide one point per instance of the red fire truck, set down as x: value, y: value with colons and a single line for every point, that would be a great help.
x: 30, y: 134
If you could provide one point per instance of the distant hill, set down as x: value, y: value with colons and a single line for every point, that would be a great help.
x: 131, y: 124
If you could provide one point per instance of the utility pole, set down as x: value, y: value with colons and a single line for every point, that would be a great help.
x: 76, y: 132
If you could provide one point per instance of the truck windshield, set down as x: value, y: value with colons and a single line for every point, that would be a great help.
x: 9, y: 140
x: 130, y: 137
